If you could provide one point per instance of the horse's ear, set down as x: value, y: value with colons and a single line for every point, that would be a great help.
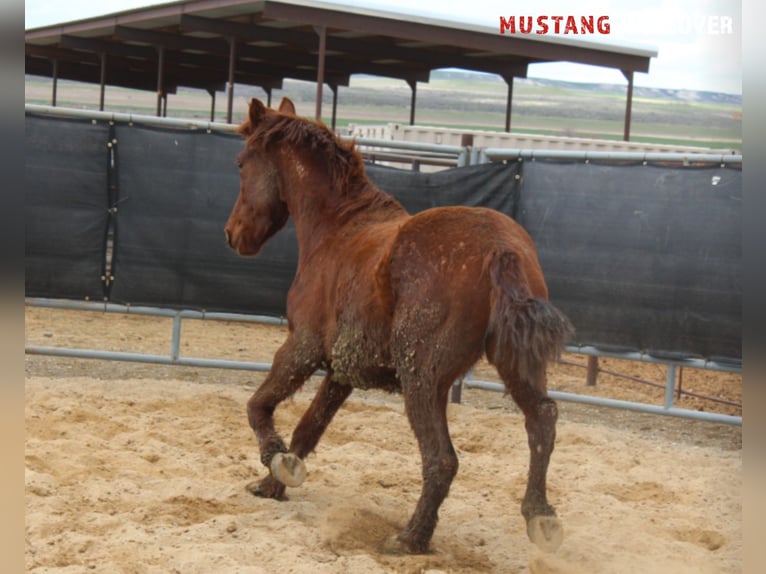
x: 257, y: 111
x: 286, y: 106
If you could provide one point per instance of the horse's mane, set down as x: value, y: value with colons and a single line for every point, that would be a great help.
x: 343, y: 160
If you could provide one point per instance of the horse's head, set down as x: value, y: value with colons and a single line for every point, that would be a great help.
x: 260, y: 210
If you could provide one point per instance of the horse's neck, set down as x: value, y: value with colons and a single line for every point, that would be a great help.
x: 319, y: 209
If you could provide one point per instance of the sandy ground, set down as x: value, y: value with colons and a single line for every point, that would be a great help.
x: 142, y: 469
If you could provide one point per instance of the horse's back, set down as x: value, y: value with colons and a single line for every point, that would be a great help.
x: 454, y: 244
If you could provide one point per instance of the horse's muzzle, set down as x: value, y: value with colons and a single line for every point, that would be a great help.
x: 230, y: 241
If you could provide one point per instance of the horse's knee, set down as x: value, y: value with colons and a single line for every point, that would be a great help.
x: 257, y: 409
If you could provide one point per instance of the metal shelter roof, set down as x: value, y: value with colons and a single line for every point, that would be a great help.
x: 210, y: 44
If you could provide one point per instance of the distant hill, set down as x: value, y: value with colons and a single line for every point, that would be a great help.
x: 638, y: 91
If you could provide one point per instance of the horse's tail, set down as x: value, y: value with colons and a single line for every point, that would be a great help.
x: 524, y: 332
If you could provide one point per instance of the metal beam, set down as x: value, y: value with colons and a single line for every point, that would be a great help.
x: 334, y: 105
x: 322, y: 32
x: 413, y: 98
x: 116, y: 75
x: 171, y: 41
x: 63, y: 55
x: 365, y: 49
x: 160, y: 79
x: 508, y: 102
x: 104, y: 46
x: 212, y: 104
x: 102, y: 82
x: 628, y: 104
x: 55, y: 78
x: 232, y: 62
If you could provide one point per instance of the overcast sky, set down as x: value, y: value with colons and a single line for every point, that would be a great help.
x: 698, y: 41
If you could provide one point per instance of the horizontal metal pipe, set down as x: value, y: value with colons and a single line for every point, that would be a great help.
x: 106, y: 307
x: 146, y: 358
x: 499, y: 154
x: 189, y: 123
x: 61, y: 112
x: 619, y: 404
x: 399, y: 144
x: 265, y: 367
x: 265, y: 319
x: 732, y: 367
x: 493, y: 154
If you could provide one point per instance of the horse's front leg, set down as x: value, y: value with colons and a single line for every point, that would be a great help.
x: 294, y: 362
x: 328, y: 399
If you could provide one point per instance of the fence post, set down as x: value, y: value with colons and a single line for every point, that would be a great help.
x: 175, y: 344
x: 670, y: 386
x: 590, y: 378
x: 466, y: 142
x: 457, y: 391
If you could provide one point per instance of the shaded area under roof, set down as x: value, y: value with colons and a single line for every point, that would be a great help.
x: 213, y: 44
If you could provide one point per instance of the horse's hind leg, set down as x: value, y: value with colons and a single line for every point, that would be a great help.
x: 293, y: 363
x: 426, y: 406
x: 540, y: 415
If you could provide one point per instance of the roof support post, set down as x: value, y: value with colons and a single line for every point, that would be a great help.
x: 211, y: 91
x: 268, y: 97
x: 334, y: 89
x: 55, y: 78
x: 629, y: 104
x: 160, y: 80
x: 102, y: 81
x: 508, y: 102
x: 164, y: 104
x: 230, y: 101
x: 414, y: 87
x: 321, y: 57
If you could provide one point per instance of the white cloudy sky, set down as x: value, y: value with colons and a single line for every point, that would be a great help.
x: 691, y: 54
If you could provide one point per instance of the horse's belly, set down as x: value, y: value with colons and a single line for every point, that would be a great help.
x: 362, y: 360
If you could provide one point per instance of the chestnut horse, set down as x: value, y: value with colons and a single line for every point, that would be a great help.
x: 383, y: 299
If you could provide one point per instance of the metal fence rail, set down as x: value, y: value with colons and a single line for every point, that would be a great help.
x: 174, y: 358
x: 466, y: 155
x: 448, y: 154
x: 486, y: 155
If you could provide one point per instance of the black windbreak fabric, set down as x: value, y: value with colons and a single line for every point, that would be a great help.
x: 488, y: 185
x: 65, y: 207
x: 641, y: 257
x: 176, y: 191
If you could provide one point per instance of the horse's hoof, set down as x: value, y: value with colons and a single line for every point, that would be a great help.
x: 395, y: 546
x: 288, y: 469
x: 546, y: 532
x: 267, y: 488
x: 254, y: 487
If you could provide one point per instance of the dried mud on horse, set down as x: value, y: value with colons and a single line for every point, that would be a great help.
x: 385, y: 299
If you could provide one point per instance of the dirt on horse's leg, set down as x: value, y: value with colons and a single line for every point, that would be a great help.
x: 329, y: 398
x: 293, y: 363
x: 426, y: 406
x: 540, y: 414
